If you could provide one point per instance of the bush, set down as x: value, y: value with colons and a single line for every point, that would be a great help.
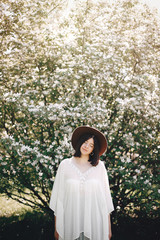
x: 40, y: 226
x: 32, y: 225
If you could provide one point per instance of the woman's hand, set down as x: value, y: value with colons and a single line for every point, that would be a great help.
x: 110, y: 231
x: 110, y: 235
x: 56, y: 235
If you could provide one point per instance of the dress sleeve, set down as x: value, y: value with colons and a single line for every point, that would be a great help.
x: 109, y: 201
x: 56, y: 200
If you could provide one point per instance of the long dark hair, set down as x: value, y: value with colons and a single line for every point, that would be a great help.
x: 94, y: 156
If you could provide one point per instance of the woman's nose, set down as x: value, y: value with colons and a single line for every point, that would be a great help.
x: 86, y: 144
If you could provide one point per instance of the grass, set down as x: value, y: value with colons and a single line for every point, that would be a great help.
x: 19, y: 222
x: 9, y: 207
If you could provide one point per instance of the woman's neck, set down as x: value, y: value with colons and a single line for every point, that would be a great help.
x: 83, y: 159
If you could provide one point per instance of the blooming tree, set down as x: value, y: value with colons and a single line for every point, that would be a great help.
x: 71, y: 63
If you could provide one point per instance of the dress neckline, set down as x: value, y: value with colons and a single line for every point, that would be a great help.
x: 78, y: 170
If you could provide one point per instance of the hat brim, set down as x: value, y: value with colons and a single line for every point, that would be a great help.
x: 78, y: 132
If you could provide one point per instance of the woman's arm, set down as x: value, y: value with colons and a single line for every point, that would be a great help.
x: 110, y: 231
x: 56, y: 235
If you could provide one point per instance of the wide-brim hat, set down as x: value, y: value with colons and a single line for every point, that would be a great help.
x: 80, y: 131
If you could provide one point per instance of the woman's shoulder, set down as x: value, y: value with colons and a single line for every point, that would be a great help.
x: 101, y: 165
x: 65, y: 162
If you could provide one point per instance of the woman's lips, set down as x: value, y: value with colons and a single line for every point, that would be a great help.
x: 84, y: 149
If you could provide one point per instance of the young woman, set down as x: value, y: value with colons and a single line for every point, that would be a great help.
x: 81, y: 198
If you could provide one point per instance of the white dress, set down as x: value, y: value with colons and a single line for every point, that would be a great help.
x: 81, y: 201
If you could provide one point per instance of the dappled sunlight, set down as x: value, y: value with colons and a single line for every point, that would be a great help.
x: 10, y: 207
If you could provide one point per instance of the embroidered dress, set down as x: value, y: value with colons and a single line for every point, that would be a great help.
x: 81, y: 201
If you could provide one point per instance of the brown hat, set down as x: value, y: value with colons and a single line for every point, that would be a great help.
x: 78, y: 132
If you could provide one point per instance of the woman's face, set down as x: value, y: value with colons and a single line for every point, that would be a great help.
x: 87, y: 147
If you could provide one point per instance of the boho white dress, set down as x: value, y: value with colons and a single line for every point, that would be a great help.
x: 81, y: 201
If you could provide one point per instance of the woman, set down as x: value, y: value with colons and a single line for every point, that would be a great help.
x: 81, y: 198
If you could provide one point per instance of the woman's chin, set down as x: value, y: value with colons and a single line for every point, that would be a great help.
x: 84, y: 153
